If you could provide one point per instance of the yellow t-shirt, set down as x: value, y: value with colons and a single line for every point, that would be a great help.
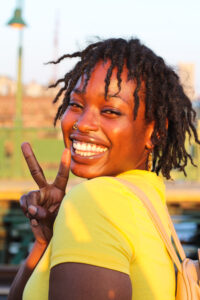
x: 100, y: 222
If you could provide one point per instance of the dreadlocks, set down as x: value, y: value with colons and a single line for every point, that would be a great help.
x: 166, y: 102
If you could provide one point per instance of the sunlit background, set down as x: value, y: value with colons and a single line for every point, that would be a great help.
x: 35, y: 32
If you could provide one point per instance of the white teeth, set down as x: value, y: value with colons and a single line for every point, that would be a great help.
x: 78, y: 145
x: 85, y: 153
x: 88, y: 149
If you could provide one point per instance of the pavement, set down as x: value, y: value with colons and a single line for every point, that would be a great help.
x: 182, y: 191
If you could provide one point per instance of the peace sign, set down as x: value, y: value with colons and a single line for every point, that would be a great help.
x: 41, y: 206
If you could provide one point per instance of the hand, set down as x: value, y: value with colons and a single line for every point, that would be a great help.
x: 41, y: 206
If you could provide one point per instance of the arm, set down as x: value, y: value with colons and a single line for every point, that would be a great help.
x: 26, y: 270
x: 41, y: 208
x: 75, y: 281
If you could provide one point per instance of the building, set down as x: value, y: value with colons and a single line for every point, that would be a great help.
x: 7, y: 86
x: 186, y: 72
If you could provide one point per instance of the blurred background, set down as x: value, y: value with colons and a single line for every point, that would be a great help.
x: 35, y: 32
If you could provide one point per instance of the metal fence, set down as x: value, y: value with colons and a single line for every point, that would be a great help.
x: 48, y: 146
x: 46, y: 142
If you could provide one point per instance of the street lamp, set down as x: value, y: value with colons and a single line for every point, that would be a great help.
x: 17, y: 22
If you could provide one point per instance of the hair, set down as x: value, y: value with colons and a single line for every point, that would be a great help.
x: 166, y: 103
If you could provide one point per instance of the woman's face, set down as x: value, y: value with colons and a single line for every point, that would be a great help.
x: 108, y: 141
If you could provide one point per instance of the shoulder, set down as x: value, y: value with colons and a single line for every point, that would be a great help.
x: 102, y: 184
x: 101, y: 202
x: 100, y: 191
x: 94, y: 218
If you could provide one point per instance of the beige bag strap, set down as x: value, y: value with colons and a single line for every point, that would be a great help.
x: 155, y: 219
x: 175, y: 237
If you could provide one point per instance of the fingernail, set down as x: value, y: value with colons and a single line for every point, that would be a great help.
x: 32, y: 210
x: 26, y: 149
x: 34, y: 222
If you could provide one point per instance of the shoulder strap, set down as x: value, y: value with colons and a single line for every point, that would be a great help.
x: 156, y: 220
x: 175, y: 237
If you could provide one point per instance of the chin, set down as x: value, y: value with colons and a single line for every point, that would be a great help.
x: 84, y: 173
x: 80, y: 174
x: 90, y: 172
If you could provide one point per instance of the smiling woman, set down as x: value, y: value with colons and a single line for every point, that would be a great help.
x: 124, y: 115
x: 105, y: 129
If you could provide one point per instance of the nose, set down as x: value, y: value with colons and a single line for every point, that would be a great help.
x: 88, y: 121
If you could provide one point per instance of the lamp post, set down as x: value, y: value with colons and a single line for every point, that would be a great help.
x: 17, y: 22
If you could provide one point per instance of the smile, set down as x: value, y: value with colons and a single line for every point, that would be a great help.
x: 87, y: 149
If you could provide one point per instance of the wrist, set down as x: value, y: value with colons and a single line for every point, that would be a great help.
x: 41, y: 245
x: 35, y: 255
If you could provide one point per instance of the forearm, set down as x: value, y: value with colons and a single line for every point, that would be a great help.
x: 25, y: 271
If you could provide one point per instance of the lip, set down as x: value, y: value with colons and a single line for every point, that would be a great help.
x: 86, y: 159
x: 88, y: 139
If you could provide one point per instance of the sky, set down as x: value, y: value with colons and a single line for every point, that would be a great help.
x: 170, y: 28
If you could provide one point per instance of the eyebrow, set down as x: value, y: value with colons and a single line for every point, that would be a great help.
x: 80, y: 92
x: 116, y: 96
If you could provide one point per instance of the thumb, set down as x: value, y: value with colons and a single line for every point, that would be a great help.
x: 37, y: 212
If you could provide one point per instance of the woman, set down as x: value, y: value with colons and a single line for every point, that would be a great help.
x: 121, y: 105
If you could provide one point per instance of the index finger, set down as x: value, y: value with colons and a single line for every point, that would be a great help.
x: 63, y: 173
x: 33, y: 165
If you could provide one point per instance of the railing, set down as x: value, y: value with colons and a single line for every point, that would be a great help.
x: 46, y: 142
x: 48, y: 146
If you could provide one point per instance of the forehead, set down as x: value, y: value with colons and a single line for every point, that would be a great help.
x: 98, y: 79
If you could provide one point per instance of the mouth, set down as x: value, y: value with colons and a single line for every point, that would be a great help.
x: 88, y: 150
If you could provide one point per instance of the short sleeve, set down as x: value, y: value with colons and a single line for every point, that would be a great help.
x: 93, y: 225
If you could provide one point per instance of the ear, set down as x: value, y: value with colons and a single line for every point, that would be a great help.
x: 149, y: 131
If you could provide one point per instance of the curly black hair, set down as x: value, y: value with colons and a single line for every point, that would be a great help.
x: 164, y: 96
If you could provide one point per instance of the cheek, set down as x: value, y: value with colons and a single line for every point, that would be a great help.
x: 128, y: 138
x: 64, y: 126
x: 67, y: 121
x: 120, y: 137
x: 123, y: 130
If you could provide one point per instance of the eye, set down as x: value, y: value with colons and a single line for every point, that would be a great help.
x: 111, y: 112
x: 75, y: 104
